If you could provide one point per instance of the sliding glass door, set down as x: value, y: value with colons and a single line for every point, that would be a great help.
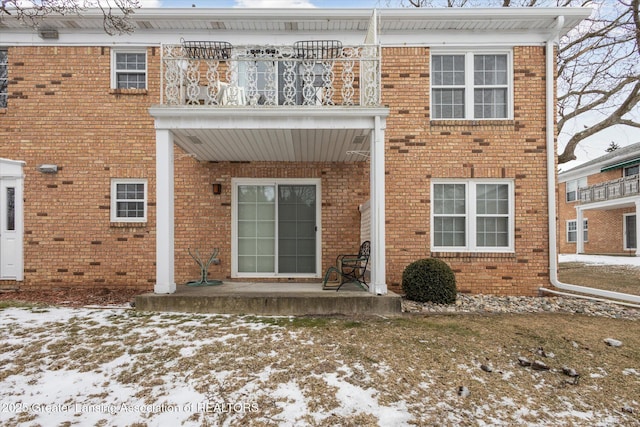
x: 275, y: 228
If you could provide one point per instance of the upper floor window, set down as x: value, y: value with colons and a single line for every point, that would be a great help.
x: 632, y: 170
x: 471, y: 85
x: 129, y: 69
x: 472, y: 215
x: 4, y: 77
x: 573, y: 186
x: 128, y: 200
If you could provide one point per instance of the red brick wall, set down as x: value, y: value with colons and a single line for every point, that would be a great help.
x: 419, y: 149
x: 66, y: 114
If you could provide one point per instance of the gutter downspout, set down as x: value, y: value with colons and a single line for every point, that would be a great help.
x: 551, y: 189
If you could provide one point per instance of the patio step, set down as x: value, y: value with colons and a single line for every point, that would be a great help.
x: 283, y: 299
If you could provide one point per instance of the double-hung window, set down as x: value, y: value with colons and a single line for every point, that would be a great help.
x: 4, y: 77
x: 472, y: 215
x: 128, y: 200
x: 572, y: 231
x: 471, y: 85
x: 572, y: 188
x: 129, y: 69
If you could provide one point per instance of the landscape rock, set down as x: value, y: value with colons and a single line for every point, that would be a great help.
x: 486, y: 368
x: 537, y: 365
x: 613, y: 342
x: 463, y: 391
x: 523, y: 361
x: 467, y: 303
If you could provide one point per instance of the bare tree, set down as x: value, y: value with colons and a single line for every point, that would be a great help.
x: 116, y: 13
x: 598, y: 65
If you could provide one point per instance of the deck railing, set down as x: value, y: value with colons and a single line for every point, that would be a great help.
x: 216, y: 74
x: 609, y: 190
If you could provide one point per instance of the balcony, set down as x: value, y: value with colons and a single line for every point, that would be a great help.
x: 320, y: 73
x: 611, y: 190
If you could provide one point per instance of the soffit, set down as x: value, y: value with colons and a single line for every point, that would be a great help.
x: 270, y: 145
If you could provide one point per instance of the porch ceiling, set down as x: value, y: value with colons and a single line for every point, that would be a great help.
x: 289, y: 145
x: 290, y: 134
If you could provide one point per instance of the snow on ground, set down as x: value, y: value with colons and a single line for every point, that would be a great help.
x: 601, y: 259
x: 64, y: 366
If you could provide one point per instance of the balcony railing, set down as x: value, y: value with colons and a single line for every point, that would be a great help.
x: 622, y: 187
x: 317, y: 73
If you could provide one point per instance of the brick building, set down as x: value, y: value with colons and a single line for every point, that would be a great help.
x: 604, y: 195
x: 273, y: 135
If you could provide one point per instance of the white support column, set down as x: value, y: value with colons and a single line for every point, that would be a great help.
x: 637, y: 227
x: 378, y: 246
x: 579, y: 231
x: 165, y: 264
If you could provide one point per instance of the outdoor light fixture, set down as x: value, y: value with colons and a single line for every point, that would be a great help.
x: 48, y: 168
x: 217, y: 188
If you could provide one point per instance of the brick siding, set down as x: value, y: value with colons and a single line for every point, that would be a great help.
x: 66, y: 114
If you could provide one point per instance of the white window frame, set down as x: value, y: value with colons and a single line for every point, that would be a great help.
x: 624, y: 231
x: 115, y: 72
x: 471, y: 215
x: 235, y: 182
x: 469, y: 84
x: 574, y: 186
x: 114, y: 200
x: 585, y: 230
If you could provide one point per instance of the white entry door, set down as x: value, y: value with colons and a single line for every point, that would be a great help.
x: 8, y: 234
x: 11, y: 220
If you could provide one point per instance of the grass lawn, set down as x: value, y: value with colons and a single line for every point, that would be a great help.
x: 121, y: 367
x: 618, y: 278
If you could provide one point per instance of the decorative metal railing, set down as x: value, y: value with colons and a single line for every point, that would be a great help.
x: 309, y: 73
x: 615, y: 189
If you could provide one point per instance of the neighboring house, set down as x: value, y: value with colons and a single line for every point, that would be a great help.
x: 604, y: 195
x: 265, y: 133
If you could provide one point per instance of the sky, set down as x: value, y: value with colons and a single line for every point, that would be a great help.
x: 265, y: 3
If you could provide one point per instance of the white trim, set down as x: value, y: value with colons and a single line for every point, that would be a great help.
x: 469, y: 85
x: 115, y: 71
x: 235, y: 182
x: 624, y: 231
x: 471, y: 215
x: 114, y: 200
x: 165, y: 215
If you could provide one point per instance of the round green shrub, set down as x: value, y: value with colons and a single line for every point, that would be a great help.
x: 429, y: 280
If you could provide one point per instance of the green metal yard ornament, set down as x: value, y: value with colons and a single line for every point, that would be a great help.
x: 204, y: 268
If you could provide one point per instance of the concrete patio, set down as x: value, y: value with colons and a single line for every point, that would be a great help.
x: 287, y: 299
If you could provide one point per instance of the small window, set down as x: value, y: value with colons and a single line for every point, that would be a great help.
x: 129, y: 69
x: 572, y: 231
x: 632, y: 170
x: 470, y: 85
x: 11, y: 209
x: 129, y: 200
x: 472, y: 215
x: 4, y: 78
x: 572, y: 188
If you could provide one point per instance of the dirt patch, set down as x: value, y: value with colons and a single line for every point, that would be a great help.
x: 71, y: 297
x: 617, y: 278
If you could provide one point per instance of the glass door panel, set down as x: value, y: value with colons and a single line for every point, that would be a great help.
x: 297, y: 229
x: 256, y: 228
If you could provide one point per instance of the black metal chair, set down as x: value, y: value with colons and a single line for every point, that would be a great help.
x: 349, y: 268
